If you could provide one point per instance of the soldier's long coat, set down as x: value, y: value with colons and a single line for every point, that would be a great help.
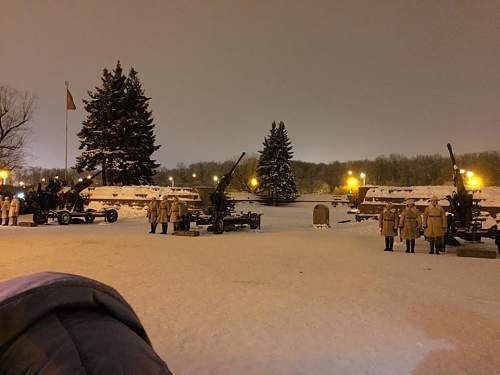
x: 163, y: 211
x: 5, y: 208
x: 388, y: 221
x: 410, y: 223
x: 434, y: 221
x: 15, y: 206
x: 174, y: 212
x: 153, y: 212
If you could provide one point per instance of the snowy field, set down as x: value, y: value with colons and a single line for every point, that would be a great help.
x: 289, y: 299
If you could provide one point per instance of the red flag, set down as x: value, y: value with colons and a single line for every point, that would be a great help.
x: 70, y: 104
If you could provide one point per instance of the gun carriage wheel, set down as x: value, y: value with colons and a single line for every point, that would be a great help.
x: 111, y: 215
x: 64, y: 218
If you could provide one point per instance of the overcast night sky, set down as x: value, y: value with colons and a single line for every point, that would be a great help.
x: 351, y: 79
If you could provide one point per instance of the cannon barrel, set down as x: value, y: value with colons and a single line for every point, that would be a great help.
x: 79, y: 187
x: 452, y: 156
x: 457, y: 177
x: 226, y: 179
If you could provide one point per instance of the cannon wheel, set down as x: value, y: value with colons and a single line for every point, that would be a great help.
x: 89, y: 217
x: 219, y: 226
x: 40, y: 218
x: 64, y: 218
x: 111, y: 216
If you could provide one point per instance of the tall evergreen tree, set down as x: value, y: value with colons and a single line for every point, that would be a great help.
x: 274, y: 170
x: 118, y: 134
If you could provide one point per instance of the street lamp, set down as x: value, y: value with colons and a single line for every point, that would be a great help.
x: 43, y: 179
x: 254, y: 183
x: 171, y: 179
x: 349, y: 173
x: 57, y: 177
x: 469, y: 174
x: 4, y: 173
x: 216, y: 179
x: 194, y: 175
x: 89, y: 177
x: 363, y: 178
x: 462, y: 171
x: 80, y: 179
x: 353, y: 184
x: 21, y: 183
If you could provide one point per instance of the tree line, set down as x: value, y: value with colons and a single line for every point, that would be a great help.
x: 396, y: 170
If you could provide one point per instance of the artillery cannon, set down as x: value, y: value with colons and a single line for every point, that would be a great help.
x: 66, y: 204
x: 464, y: 214
x: 221, y: 216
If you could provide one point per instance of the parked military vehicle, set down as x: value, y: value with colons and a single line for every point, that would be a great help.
x: 221, y: 215
x: 64, y: 204
x: 464, y: 219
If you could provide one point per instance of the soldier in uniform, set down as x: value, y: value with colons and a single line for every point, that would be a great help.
x: 434, y: 224
x: 5, y: 211
x: 15, y: 206
x: 175, y: 213
x: 153, y: 214
x: 163, y: 214
x: 409, y: 224
x: 388, y: 221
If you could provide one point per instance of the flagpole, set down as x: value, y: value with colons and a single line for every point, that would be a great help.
x: 66, y: 136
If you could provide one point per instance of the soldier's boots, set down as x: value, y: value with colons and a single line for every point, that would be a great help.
x: 407, y: 246
x: 153, y: 229
x: 164, y: 228
x: 431, y: 244
x: 389, y: 243
x: 412, y: 244
x: 6, y: 222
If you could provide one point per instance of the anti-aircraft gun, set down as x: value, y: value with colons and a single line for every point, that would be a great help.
x: 221, y: 216
x: 68, y: 204
x: 463, y: 216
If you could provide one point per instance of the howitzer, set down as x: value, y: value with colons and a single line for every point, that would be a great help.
x: 461, y: 202
x: 221, y: 216
x: 463, y: 216
x: 71, y: 207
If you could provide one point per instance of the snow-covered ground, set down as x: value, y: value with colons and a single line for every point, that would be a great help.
x: 289, y: 299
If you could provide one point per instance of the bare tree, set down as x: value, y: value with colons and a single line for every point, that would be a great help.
x: 16, y: 111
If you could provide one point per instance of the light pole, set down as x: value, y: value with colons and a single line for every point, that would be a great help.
x: 216, y: 179
x: 363, y: 178
x: 171, y: 179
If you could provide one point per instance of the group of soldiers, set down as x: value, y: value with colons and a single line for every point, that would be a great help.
x: 10, y: 210
x: 410, y: 222
x: 165, y: 211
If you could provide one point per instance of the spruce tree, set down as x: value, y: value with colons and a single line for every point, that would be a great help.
x: 118, y: 134
x: 274, y: 170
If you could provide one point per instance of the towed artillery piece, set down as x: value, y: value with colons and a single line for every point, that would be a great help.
x: 65, y: 204
x: 464, y: 219
x: 221, y: 215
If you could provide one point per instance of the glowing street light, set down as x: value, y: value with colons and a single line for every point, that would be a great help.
x: 171, y: 179
x: 254, y: 183
x: 349, y: 173
x: 89, y: 177
x: 57, y: 177
x: 43, y: 179
x: 363, y: 178
x: 21, y: 183
x: 216, y: 179
x: 4, y: 173
x: 462, y: 171
x: 80, y: 179
x: 469, y: 174
x: 353, y: 184
x: 194, y: 175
